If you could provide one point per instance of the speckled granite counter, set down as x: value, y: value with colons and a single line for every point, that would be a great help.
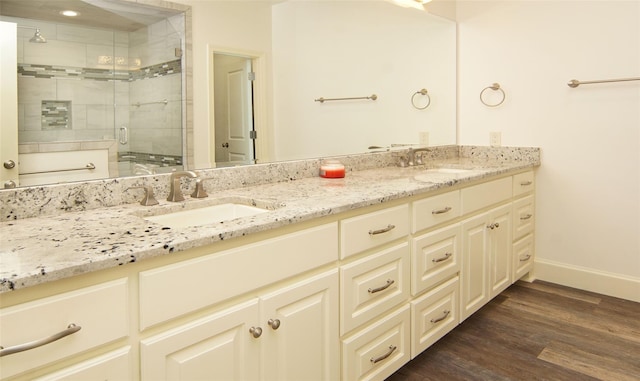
x: 56, y: 246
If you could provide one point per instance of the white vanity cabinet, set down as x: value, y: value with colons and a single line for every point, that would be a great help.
x: 288, y: 334
x: 347, y: 297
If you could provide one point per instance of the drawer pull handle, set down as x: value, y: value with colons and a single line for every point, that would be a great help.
x: 71, y: 329
x: 255, y: 332
x: 382, y: 288
x: 442, y: 259
x: 274, y: 323
x: 526, y: 183
x: 526, y: 216
x: 493, y: 226
x: 375, y: 360
x: 526, y: 258
x: 441, y: 211
x: 383, y: 230
x: 444, y: 316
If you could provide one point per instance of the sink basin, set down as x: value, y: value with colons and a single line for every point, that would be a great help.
x: 440, y: 174
x: 449, y: 171
x: 205, y: 215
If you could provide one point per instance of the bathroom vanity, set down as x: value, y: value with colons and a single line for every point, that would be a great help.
x: 341, y: 279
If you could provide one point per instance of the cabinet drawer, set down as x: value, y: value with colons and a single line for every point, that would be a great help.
x: 373, y: 229
x: 379, y: 350
x: 433, y: 315
x: 197, y: 283
x: 523, y: 217
x: 435, y: 210
x: 523, y: 253
x: 114, y: 365
x: 482, y: 195
x: 373, y: 285
x: 435, y: 257
x: 101, y: 311
x: 523, y: 183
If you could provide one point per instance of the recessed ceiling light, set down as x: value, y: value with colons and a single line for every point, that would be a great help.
x: 70, y: 13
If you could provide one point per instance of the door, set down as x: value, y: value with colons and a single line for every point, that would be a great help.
x: 474, y: 278
x: 217, y: 347
x: 8, y: 105
x: 500, y: 246
x: 233, y: 110
x: 301, y: 338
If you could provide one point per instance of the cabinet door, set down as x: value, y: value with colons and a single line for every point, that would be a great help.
x: 300, y: 331
x: 500, y: 245
x: 474, y: 278
x: 217, y: 347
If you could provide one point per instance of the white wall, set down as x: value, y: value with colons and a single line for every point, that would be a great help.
x: 588, y: 190
x: 336, y: 49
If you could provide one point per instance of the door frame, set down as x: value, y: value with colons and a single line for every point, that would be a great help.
x: 260, y: 119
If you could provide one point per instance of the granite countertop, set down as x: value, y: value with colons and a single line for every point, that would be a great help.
x: 43, y: 249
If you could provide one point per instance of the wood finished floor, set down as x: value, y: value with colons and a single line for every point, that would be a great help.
x: 537, y: 331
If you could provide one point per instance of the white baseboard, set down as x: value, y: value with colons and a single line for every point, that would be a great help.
x: 619, y: 286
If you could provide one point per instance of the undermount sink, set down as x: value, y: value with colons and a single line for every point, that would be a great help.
x: 449, y: 171
x: 205, y: 215
x: 438, y: 174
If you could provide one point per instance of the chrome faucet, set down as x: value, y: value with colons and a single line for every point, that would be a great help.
x: 412, y: 159
x: 175, y: 193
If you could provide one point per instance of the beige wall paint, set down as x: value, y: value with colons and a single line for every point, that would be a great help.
x: 588, y: 192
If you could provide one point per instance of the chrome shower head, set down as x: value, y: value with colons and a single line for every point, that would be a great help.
x: 38, y: 37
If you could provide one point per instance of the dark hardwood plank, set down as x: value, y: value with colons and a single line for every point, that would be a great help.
x: 537, y: 331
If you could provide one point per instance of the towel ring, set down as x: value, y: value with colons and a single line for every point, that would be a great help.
x: 422, y: 92
x: 494, y: 87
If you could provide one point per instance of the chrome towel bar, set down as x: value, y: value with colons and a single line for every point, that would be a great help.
x: 373, y: 97
x: 164, y: 101
x: 89, y: 167
x: 575, y: 83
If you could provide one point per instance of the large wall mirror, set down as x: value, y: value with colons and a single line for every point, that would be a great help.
x: 113, y: 83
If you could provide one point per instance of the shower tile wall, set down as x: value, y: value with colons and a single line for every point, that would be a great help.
x: 146, y: 70
x: 156, y: 127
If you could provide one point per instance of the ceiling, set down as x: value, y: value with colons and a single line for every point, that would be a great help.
x: 109, y: 14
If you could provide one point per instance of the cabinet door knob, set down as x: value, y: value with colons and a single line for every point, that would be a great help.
x: 274, y: 323
x: 255, y: 332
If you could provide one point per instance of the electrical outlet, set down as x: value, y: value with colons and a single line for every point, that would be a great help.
x: 424, y: 138
x: 495, y: 138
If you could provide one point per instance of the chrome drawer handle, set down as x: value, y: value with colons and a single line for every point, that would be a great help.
x: 438, y: 320
x: 255, y: 332
x: 383, y: 230
x: 441, y: 211
x: 392, y: 348
x: 526, y: 258
x: 526, y: 216
x: 442, y: 259
x: 71, y: 329
x: 382, y: 288
x: 526, y: 183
